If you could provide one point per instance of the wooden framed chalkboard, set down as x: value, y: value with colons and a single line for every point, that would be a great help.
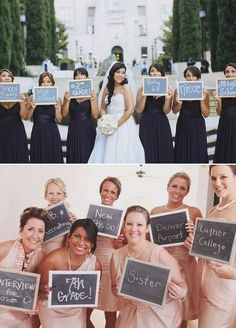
x: 168, y: 229
x: 73, y: 289
x: 144, y: 281
x: 108, y: 219
x: 9, y: 92
x: 59, y: 223
x: 190, y: 90
x: 80, y: 88
x: 214, y: 240
x: 226, y: 88
x: 155, y: 86
x: 45, y: 95
x: 18, y: 290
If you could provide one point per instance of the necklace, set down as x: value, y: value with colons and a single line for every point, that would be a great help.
x: 138, y: 254
x: 220, y: 207
x: 175, y: 208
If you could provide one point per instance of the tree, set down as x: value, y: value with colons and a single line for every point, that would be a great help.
x: 167, y: 37
x: 175, y: 31
x: 186, y: 30
x: 212, y: 23
x: 17, y: 39
x: 36, y: 41
x: 226, y: 43
x: 53, y: 31
x: 61, y: 39
x: 6, y: 34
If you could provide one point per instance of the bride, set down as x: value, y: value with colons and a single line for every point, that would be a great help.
x: 124, y: 145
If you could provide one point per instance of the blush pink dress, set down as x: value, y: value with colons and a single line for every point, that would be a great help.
x: 66, y: 317
x: 189, y: 269
x: 217, y: 295
x: 107, y: 300
x: 137, y: 314
x: 15, y: 260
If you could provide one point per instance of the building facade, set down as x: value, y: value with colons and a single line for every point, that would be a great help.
x: 127, y: 28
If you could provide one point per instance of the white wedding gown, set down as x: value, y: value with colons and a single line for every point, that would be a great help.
x: 124, y: 146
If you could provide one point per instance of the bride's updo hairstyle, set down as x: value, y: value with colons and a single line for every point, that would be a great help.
x: 111, y: 83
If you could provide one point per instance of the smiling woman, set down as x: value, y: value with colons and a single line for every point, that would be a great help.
x: 13, y: 140
x: 76, y: 256
x: 136, y: 314
x: 23, y: 255
x: 217, y: 308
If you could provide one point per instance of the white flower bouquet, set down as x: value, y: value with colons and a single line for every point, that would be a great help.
x: 107, y: 124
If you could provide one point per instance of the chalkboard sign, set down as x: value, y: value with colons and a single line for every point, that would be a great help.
x: 168, y: 228
x: 9, y: 92
x: 190, y: 90
x: 144, y: 281
x: 226, y: 88
x: 80, y: 88
x: 18, y: 290
x: 73, y: 288
x: 59, y: 223
x: 155, y: 86
x: 45, y: 95
x: 108, y: 219
x: 214, y: 240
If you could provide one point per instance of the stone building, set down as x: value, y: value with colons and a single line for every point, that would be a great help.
x: 130, y: 29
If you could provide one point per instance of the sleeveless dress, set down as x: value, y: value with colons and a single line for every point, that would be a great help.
x: 15, y: 260
x: 81, y: 132
x: 218, y: 295
x: 67, y: 317
x: 45, y: 137
x: 124, y: 146
x: 191, y: 138
x: 136, y: 314
x: 155, y: 133
x: 107, y: 301
x: 188, y: 267
x: 225, y: 150
x: 13, y: 139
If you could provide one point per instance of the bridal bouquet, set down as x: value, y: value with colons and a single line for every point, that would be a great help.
x: 107, y: 124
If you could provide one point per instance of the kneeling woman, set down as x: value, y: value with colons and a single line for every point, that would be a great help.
x: 77, y: 256
x: 137, y: 314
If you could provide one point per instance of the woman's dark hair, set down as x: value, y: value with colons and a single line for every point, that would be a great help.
x: 115, y: 181
x: 232, y: 167
x: 158, y: 67
x: 229, y: 64
x: 90, y: 228
x: 49, y: 75
x: 111, y: 83
x: 139, y: 209
x: 194, y: 70
x: 34, y: 212
x: 80, y: 70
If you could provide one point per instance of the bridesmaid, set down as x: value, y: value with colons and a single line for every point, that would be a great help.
x: 55, y: 192
x: 81, y: 132
x: 217, y: 295
x: 77, y: 256
x: 110, y: 189
x: 23, y: 254
x: 45, y: 137
x: 13, y: 139
x: 178, y: 188
x: 154, y: 131
x: 225, y: 150
x: 191, y: 138
x: 136, y: 314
